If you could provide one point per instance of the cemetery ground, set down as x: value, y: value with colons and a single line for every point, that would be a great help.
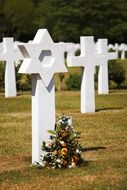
x: 103, y: 138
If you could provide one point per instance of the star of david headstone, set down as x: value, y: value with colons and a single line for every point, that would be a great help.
x: 42, y: 58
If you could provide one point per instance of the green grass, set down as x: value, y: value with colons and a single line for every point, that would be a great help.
x: 103, y: 137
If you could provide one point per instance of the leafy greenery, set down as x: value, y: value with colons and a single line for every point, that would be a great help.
x: 23, y: 81
x: 2, y: 76
x: 65, y: 20
x: 116, y: 73
x: 63, y: 150
x: 73, y: 82
x: 89, y: 17
x: 17, y: 22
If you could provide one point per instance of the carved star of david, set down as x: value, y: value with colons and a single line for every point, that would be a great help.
x: 43, y: 56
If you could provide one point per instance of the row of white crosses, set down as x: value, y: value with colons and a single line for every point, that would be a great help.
x: 122, y: 48
x: 43, y: 58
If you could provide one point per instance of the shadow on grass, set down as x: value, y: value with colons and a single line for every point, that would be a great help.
x: 106, y: 109
x: 93, y: 149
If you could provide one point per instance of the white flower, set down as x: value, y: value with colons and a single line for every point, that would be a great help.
x: 78, y: 151
x: 62, y: 143
x: 61, y: 121
x: 58, y: 160
x: 59, y: 166
x: 48, y: 144
x: 73, y: 165
x: 70, y: 121
x: 70, y: 166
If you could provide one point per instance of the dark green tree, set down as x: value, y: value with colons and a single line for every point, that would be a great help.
x: 19, y: 16
x: 68, y: 20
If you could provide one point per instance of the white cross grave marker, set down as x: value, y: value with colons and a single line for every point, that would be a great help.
x: 123, y: 49
x: 87, y: 59
x: 110, y: 47
x: 9, y: 55
x: 42, y: 58
x: 102, y: 48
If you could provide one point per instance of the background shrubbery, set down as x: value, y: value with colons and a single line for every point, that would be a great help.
x: 2, y: 76
x: 65, y: 20
x: 117, y: 74
x: 73, y: 82
x: 23, y: 81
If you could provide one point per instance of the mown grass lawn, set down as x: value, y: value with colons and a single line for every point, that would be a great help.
x: 103, y: 137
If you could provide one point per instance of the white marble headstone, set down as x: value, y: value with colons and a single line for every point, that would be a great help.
x: 9, y: 55
x: 105, y: 56
x: 87, y: 59
x: 123, y: 49
x: 42, y: 58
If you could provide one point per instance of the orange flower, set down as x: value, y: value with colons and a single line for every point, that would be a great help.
x: 64, y: 151
x: 63, y: 133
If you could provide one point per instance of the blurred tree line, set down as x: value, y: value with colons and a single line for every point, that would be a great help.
x: 66, y: 20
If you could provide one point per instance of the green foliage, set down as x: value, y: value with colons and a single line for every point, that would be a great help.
x: 64, y: 149
x: 23, y: 81
x: 1, y: 76
x: 61, y: 77
x: 19, y: 16
x: 116, y: 73
x: 73, y: 82
x: 113, y: 85
x: 65, y: 20
x: 89, y: 17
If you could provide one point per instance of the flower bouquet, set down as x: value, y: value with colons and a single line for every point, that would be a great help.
x: 63, y: 150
